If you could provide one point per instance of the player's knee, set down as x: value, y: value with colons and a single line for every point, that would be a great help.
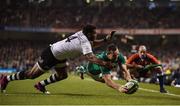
x: 61, y: 73
x: 33, y: 77
x: 30, y: 75
x: 99, y: 80
x: 62, y: 76
x: 102, y: 81
x: 65, y: 75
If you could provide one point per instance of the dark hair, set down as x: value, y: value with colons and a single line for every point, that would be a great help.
x: 112, y: 47
x: 88, y: 29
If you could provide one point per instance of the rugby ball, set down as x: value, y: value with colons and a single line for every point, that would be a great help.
x: 131, y: 86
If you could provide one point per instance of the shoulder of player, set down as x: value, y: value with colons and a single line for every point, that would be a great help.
x: 150, y: 55
x: 133, y: 56
x: 153, y: 58
x: 81, y: 36
x: 120, y: 55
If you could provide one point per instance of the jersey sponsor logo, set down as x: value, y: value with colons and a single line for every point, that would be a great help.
x: 71, y: 38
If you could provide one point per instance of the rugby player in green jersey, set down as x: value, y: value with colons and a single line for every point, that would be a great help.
x: 103, y: 74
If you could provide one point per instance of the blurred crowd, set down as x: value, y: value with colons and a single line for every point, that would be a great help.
x: 47, y: 17
x: 19, y: 54
x: 130, y: 17
x: 108, y: 16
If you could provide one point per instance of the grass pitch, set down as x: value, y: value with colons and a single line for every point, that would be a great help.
x: 74, y: 91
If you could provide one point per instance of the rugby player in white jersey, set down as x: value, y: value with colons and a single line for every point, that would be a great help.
x: 56, y: 55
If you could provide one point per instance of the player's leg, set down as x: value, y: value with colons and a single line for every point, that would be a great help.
x: 95, y: 72
x: 61, y: 74
x: 92, y: 70
x: 33, y: 73
x: 45, y: 62
x: 160, y: 77
x: 97, y: 77
x: 82, y: 69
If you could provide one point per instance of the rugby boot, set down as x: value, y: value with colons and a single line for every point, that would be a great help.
x: 41, y: 88
x: 3, y: 83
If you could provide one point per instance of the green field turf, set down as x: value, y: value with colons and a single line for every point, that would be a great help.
x: 75, y: 91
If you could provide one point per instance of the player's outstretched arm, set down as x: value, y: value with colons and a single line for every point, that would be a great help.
x: 126, y: 72
x: 108, y: 37
x: 92, y: 58
x: 112, y: 84
x: 123, y: 66
x: 134, y: 65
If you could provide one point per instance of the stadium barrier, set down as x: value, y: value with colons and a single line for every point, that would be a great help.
x: 155, y: 31
x: 7, y: 70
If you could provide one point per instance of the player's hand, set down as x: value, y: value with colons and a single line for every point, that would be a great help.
x: 122, y: 89
x: 139, y: 66
x: 112, y: 33
x: 109, y: 36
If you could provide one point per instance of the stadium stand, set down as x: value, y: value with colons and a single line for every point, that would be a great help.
x: 75, y: 16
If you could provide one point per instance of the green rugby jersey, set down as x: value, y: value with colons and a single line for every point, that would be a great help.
x: 96, y: 69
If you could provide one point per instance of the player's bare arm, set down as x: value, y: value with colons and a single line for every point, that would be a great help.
x: 108, y: 37
x: 92, y: 58
x: 126, y: 72
x: 110, y: 83
x: 134, y: 65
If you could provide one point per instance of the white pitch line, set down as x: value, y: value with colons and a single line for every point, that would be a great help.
x: 150, y: 90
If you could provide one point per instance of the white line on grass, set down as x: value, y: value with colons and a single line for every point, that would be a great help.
x: 150, y: 90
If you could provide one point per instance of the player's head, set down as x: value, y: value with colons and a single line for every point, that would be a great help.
x: 90, y: 32
x: 112, y: 51
x: 142, y: 51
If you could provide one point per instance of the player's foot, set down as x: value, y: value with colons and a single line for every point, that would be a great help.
x: 3, y: 83
x: 163, y: 91
x: 41, y: 88
x: 82, y: 75
x: 80, y: 69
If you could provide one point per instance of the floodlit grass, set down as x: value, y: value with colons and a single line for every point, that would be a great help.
x: 74, y: 91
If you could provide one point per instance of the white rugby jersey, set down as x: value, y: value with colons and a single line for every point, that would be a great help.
x: 71, y: 47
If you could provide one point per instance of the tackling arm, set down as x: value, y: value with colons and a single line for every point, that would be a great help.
x: 92, y: 58
x: 101, y: 41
